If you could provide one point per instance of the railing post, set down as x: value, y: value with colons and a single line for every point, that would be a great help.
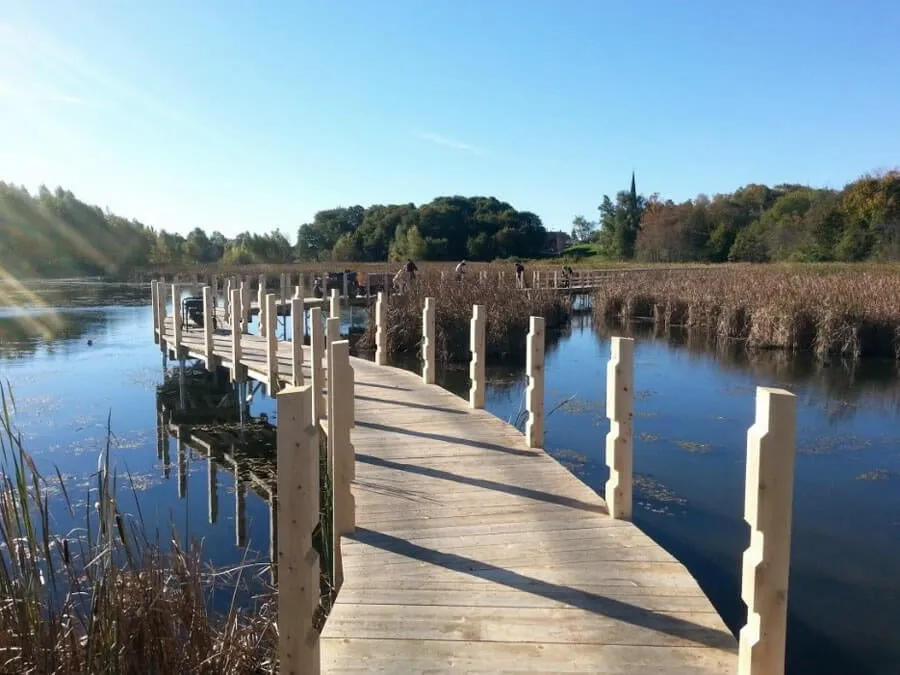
x: 768, y: 509
x: 342, y: 457
x: 261, y: 303
x: 154, y: 307
x: 298, y: 516
x: 271, y: 344
x: 176, y: 319
x: 476, y: 365
x: 161, y: 315
x: 209, y: 316
x: 237, y: 372
x: 534, y: 394
x: 317, y: 347
x: 428, y: 335
x: 334, y: 304
x: 245, y: 306
x: 620, y: 439
x: 297, y: 317
x: 346, y: 287
x: 332, y: 335
x: 380, y: 330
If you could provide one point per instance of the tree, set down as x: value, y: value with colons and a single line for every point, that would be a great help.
x: 582, y: 229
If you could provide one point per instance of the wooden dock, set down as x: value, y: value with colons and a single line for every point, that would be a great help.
x: 474, y: 553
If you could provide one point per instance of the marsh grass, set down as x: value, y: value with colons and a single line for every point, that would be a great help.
x: 104, y: 598
x: 507, y: 310
x: 850, y: 311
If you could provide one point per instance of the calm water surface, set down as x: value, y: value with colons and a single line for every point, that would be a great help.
x: 693, y: 407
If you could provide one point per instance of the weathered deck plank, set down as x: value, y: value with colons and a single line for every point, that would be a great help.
x: 474, y: 553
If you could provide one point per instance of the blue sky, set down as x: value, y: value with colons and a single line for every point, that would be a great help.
x: 239, y: 115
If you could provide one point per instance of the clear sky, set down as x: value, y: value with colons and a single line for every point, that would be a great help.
x: 236, y: 115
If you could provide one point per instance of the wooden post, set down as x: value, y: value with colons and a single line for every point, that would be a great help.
x: 226, y: 300
x: 428, y: 342
x: 237, y: 372
x: 245, y: 305
x: 476, y: 365
x: 317, y: 347
x: 161, y: 315
x: 620, y: 439
x: 214, y: 285
x: 534, y: 394
x: 154, y: 307
x: 298, y: 516
x: 261, y: 303
x: 768, y: 509
x: 346, y: 287
x: 334, y: 306
x: 176, y: 319
x: 271, y: 344
x: 342, y: 457
x: 297, y: 316
x: 209, y: 315
x: 332, y: 335
x: 380, y: 330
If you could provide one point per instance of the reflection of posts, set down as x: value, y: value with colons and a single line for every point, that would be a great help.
x: 298, y: 516
x: 620, y: 439
x: 534, y: 393
x: 768, y: 506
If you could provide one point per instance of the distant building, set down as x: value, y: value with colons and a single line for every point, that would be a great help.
x: 557, y: 242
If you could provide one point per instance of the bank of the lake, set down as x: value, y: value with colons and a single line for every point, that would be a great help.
x: 693, y: 408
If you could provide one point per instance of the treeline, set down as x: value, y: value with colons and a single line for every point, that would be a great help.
x: 756, y: 223
x: 54, y: 234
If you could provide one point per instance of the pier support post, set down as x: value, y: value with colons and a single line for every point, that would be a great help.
x: 209, y: 316
x: 237, y: 372
x: 154, y: 307
x: 297, y: 321
x: 768, y: 509
x: 620, y: 439
x: 161, y: 316
x: 534, y: 394
x: 341, y: 418
x: 271, y: 334
x: 334, y: 304
x: 380, y: 330
x: 298, y: 516
x: 317, y: 347
x: 476, y: 365
x: 428, y: 342
x: 176, y: 318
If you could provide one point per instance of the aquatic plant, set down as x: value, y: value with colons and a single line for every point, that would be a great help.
x: 105, y: 597
x: 847, y: 310
x: 507, y: 310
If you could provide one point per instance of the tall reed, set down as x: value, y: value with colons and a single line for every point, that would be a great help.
x: 506, y: 307
x: 104, y: 598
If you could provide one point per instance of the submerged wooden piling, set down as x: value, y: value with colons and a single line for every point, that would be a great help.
x: 476, y: 365
x: 534, y: 393
x: 298, y: 516
x: 620, y: 439
x: 768, y: 509
x: 428, y: 342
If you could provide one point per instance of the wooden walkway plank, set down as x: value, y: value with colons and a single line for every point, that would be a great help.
x: 474, y: 553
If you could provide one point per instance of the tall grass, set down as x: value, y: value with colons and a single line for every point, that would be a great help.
x: 104, y: 598
x: 507, y: 310
x: 846, y: 310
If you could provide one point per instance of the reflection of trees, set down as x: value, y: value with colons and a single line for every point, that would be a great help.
x: 839, y: 387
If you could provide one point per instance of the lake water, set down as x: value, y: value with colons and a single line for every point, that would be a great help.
x: 693, y: 407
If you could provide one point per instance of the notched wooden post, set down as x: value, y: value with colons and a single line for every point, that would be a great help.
x: 261, y: 304
x: 271, y: 344
x: 476, y: 365
x: 209, y: 317
x: 317, y: 348
x: 381, y: 330
x: 334, y: 304
x: 428, y: 342
x: 342, y: 457
x: 298, y: 516
x: 620, y: 439
x: 768, y: 509
x: 297, y: 321
x: 534, y: 394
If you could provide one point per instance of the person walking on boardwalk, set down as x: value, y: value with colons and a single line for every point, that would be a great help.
x: 520, y: 275
x: 460, y: 270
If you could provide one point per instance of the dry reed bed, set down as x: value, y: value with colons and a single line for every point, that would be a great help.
x: 507, y: 310
x: 849, y: 311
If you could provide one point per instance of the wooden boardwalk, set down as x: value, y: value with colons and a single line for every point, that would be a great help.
x: 475, y: 554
